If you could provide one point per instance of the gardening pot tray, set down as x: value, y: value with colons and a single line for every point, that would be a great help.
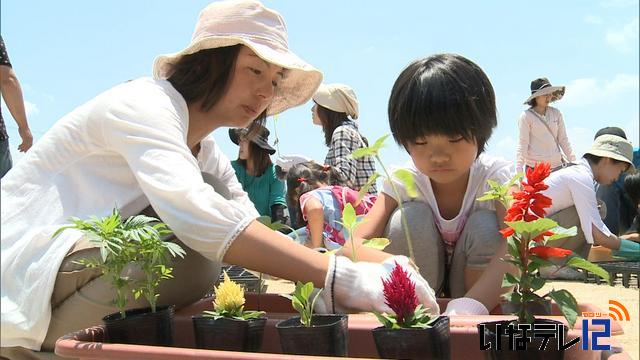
x: 87, y: 343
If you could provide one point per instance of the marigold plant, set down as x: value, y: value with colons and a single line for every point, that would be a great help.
x: 528, y: 235
x: 400, y: 295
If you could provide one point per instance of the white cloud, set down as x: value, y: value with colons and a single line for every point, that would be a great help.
x: 31, y: 109
x: 625, y: 39
x: 589, y: 91
x: 592, y: 19
x: 618, y: 3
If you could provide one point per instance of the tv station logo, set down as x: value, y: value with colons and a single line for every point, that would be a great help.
x: 521, y: 335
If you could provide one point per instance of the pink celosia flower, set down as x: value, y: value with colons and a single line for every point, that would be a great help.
x: 400, y: 294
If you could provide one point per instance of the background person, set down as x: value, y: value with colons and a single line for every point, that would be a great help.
x: 542, y: 135
x: 320, y: 194
x: 572, y: 190
x: 12, y: 95
x: 620, y: 209
x: 257, y: 174
x: 336, y: 109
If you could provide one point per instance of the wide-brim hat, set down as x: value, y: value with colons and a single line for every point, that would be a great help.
x: 228, y: 23
x: 337, y: 97
x: 262, y: 139
x: 615, y: 147
x: 542, y: 86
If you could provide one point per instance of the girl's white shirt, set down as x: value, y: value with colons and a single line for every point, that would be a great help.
x: 126, y: 148
x: 485, y: 167
x: 576, y: 186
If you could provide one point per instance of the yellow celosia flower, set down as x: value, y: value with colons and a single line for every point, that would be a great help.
x: 229, y: 296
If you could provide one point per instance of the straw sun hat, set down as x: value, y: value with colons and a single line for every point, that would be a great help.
x: 615, y: 147
x: 263, y: 30
x: 542, y: 86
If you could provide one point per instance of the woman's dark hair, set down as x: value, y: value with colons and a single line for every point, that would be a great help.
x: 205, y: 75
x: 595, y: 159
x: 532, y: 103
x: 303, y: 177
x: 632, y: 187
x: 330, y: 121
x: 444, y: 94
x: 260, y: 158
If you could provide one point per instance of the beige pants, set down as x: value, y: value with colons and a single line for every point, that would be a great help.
x: 578, y: 244
x: 81, y: 297
x: 475, y: 248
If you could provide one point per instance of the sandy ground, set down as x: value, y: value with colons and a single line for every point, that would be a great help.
x: 598, y: 295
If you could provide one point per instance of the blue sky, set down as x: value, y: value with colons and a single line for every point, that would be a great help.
x: 66, y: 52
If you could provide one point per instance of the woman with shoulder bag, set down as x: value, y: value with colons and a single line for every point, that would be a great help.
x: 542, y: 133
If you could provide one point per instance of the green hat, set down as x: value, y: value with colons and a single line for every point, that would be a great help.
x: 614, y: 147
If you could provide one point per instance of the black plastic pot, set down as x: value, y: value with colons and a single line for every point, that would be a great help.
x: 228, y: 334
x: 536, y: 308
x: 430, y: 343
x: 328, y: 335
x: 141, y: 326
x: 550, y: 352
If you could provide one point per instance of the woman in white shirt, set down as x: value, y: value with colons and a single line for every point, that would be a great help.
x: 541, y: 130
x: 148, y: 141
x: 573, y: 193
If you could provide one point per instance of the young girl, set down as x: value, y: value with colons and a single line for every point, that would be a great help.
x: 442, y: 111
x: 257, y: 174
x: 542, y: 134
x: 336, y: 110
x: 321, y: 201
x: 148, y: 142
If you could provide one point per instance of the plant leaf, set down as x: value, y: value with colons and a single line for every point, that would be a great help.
x: 534, y: 228
x: 560, y: 233
x: 567, y: 304
x: 510, y: 280
x: 406, y: 178
x: 377, y: 243
x: 349, y: 216
x: 580, y: 263
x: 365, y: 188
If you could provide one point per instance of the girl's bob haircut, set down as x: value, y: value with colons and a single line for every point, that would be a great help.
x: 443, y: 94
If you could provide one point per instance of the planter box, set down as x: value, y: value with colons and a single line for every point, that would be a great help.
x: 87, y: 343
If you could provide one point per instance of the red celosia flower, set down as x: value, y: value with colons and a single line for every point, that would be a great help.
x: 529, y: 203
x: 541, y: 236
x: 506, y: 232
x: 546, y: 252
x: 400, y: 294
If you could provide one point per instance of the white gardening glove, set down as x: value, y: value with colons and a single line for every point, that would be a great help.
x: 465, y: 306
x: 358, y: 286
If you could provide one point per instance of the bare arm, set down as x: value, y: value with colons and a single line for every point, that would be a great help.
x: 12, y: 94
x: 372, y: 226
x: 261, y: 249
x: 488, y: 288
x: 315, y: 219
x: 599, y: 238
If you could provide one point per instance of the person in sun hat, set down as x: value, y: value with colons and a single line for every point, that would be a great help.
x: 620, y: 209
x: 542, y: 135
x: 336, y: 109
x: 149, y: 142
x: 257, y: 174
x: 572, y: 191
